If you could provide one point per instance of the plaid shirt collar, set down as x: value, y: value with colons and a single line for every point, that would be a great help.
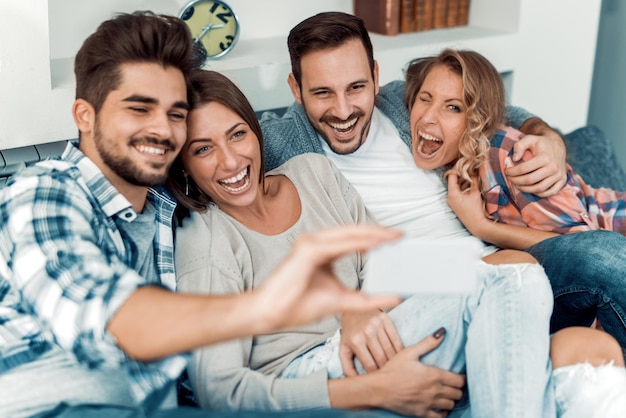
x: 113, y: 203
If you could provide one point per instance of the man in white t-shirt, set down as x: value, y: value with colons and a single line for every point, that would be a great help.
x: 341, y: 112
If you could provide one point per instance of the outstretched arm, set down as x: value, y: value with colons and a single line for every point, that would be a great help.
x: 546, y: 172
x: 468, y: 206
x: 154, y: 323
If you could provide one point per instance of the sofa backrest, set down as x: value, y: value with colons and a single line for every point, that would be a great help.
x: 589, y: 152
x: 592, y: 155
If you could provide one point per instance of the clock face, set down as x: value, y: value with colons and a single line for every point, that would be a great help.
x: 213, y: 25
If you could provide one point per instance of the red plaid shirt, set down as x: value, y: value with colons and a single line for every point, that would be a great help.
x: 576, y: 207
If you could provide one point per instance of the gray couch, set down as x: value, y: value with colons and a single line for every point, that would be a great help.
x: 592, y: 155
x: 589, y: 152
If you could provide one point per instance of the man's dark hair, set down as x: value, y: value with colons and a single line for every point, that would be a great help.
x: 140, y: 37
x: 326, y: 30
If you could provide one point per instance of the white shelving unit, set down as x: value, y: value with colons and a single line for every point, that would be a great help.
x: 546, y: 48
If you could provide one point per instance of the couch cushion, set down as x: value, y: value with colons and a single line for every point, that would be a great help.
x: 592, y: 155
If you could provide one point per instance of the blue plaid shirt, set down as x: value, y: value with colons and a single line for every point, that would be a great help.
x: 64, y: 268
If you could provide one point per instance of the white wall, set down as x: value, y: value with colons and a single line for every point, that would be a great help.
x: 557, y: 47
x: 548, y: 45
x: 267, y: 18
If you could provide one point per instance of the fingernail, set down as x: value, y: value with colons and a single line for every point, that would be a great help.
x: 439, y: 333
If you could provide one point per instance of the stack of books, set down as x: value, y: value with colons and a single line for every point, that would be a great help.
x: 391, y: 17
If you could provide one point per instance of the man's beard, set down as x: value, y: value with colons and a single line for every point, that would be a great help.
x: 125, y: 167
x: 359, y: 139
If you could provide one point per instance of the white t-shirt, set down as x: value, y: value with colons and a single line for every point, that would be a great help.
x: 397, y: 192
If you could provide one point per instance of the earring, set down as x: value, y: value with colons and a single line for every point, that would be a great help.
x: 186, y: 186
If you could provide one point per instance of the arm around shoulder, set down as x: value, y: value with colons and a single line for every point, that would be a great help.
x: 516, y: 116
x: 288, y: 135
x: 546, y: 172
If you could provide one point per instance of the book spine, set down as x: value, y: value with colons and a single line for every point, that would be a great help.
x: 418, y: 15
x: 463, y: 18
x: 439, y: 14
x: 429, y: 10
x: 407, y: 16
x: 392, y: 17
x: 452, y: 13
x: 380, y: 16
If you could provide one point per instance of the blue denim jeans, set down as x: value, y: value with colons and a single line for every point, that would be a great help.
x: 587, y: 271
x: 498, y: 336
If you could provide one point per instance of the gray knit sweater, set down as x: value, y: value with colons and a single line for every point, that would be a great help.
x: 216, y: 254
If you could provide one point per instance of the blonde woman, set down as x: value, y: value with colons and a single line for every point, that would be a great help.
x: 456, y: 103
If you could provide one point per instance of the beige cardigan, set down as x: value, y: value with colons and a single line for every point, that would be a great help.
x: 217, y: 254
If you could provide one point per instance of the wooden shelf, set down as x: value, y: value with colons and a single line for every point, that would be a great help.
x: 547, y: 50
x: 260, y: 67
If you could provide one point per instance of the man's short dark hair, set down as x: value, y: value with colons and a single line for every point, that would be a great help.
x: 326, y: 30
x: 140, y: 37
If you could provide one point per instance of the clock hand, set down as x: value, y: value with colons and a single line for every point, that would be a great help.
x: 206, y: 29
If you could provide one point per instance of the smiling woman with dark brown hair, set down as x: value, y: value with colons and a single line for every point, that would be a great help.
x: 241, y: 222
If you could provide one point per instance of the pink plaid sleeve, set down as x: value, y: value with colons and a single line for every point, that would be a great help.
x: 564, y: 212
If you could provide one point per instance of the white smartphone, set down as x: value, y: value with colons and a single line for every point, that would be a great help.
x: 410, y: 266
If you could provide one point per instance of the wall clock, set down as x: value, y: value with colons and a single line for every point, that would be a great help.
x: 213, y: 24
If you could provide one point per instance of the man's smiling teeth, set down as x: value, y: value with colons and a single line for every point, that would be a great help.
x: 344, y: 126
x: 150, y: 150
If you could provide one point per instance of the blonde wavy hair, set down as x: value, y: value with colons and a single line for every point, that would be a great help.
x: 483, y: 99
